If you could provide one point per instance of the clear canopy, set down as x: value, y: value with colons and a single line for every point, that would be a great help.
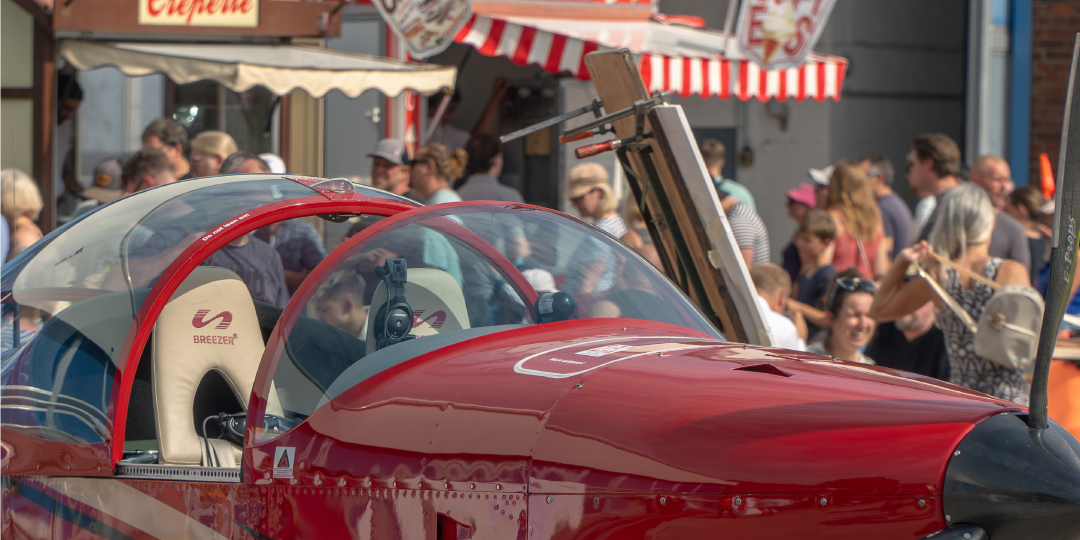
x: 469, y: 271
x: 70, y: 300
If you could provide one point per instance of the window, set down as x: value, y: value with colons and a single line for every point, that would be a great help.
x: 467, y: 272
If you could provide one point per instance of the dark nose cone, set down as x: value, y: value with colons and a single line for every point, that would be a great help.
x: 1016, y: 482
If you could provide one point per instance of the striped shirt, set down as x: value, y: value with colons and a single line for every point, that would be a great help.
x: 613, y: 225
x: 750, y: 232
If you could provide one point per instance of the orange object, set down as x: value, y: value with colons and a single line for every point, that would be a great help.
x: 1047, y: 176
x: 1063, y: 395
x: 563, y: 139
x: 599, y: 148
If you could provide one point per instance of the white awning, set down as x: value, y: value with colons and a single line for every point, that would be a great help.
x: 279, y: 68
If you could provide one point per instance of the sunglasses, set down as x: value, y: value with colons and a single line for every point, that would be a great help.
x: 850, y: 284
x: 582, y: 196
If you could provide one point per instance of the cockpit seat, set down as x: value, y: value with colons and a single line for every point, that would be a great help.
x: 210, y: 324
x: 437, y: 302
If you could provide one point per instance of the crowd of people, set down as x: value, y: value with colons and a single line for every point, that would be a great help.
x: 843, y: 286
x: 847, y: 285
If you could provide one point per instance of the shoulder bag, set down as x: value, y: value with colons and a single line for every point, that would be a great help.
x: 1007, y: 332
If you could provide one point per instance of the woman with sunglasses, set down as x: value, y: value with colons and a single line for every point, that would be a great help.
x: 849, y: 327
x: 588, y: 191
x: 433, y: 169
x: 962, y: 233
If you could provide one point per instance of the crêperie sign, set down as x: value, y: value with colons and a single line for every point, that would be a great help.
x: 222, y: 13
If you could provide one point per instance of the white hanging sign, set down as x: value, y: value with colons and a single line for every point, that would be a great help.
x: 426, y: 26
x: 778, y: 34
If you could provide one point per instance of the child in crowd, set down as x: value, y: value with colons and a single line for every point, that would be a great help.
x: 814, y: 241
x: 773, y: 285
x: 340, y: 303
x: 801, y: 200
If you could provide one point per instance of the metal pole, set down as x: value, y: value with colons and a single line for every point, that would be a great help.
x: 435, y: 120
x: 1063, y: 252
x: 729, y: 21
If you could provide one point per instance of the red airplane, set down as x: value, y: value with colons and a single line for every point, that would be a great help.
x: 467, y: 370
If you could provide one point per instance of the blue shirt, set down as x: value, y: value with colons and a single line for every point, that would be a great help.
x: 737, y: 190
x: 5, y: 240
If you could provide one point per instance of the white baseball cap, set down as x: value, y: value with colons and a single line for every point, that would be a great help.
x: 821, y: 176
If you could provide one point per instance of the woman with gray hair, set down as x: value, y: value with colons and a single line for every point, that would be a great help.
x: 962, y: 234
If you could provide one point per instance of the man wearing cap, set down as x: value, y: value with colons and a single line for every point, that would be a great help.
x: 714, y: 154
x: 895, y: 214
x: 105, y: 188
x: 390, y: 168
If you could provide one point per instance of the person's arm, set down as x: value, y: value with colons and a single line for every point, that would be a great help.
x: 1013, y: 273
x: 293, y: 278
x: 748, y: 256
x: 800, y: 325
x: 881, y: 258
x: 590, y: 276
x: 486, y: 123
x: 898, y: 296
x: 632, y: 239
x: 814, y: 316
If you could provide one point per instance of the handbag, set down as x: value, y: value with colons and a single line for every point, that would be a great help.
x: 1007, y: 332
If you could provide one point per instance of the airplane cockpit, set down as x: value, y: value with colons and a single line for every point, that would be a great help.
x: 143, y: 330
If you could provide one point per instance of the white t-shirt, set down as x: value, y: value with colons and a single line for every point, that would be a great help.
x: 783, y: 330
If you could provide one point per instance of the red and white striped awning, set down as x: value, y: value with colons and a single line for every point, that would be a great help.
x: 671, y: 57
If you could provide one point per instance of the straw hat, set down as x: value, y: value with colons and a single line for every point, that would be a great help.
x: 584, y: 178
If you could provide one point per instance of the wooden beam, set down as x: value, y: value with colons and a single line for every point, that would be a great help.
x: 16, y: 93
x: 674, y: 191
x: 37, y: 11
x: 44, y: 95
x: 285, y: 127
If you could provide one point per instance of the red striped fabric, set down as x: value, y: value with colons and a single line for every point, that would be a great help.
x: 819, y: 78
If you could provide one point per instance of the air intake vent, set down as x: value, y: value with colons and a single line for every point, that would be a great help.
x: 767, y: 369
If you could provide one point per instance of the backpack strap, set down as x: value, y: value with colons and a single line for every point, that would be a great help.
x: 948, y: 300
x: 961, y: 269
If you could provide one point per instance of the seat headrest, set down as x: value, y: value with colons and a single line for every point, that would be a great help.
x: 209, y: 324
x: 436, y: 299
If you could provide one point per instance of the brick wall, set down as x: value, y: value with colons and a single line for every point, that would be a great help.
x: 1054, y: 27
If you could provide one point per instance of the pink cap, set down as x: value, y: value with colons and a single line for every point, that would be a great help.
x: 804, y: 194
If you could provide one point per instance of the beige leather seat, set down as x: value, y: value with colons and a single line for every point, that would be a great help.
x: 210, y: 324
x: 436, y: 299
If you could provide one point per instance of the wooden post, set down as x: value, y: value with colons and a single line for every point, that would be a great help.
x: 677, y: 196
x: 44, y: 108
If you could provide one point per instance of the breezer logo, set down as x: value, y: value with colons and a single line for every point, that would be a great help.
x: 439, y: 316
x: 200, y: 319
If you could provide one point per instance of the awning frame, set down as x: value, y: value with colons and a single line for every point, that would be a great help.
x: 388, y: 76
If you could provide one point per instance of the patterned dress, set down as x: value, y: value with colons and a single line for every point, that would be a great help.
x: 967, y: 369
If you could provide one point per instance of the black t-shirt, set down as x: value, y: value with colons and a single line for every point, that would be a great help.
x: 1038, y: 258
x: 812, y: 290
x: 926, y: 355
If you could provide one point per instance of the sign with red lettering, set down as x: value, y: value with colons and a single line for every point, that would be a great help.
x: 426, y: 26
x: 780, y: 33
x: 225, y: 13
